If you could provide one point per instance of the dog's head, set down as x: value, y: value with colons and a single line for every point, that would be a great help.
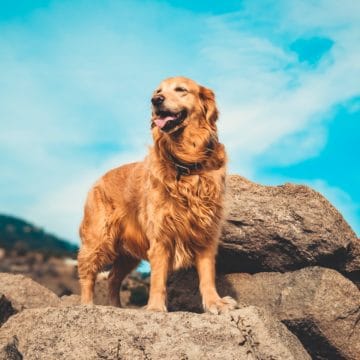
x: 179, y: 102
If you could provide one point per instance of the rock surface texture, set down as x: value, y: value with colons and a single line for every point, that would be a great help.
x: 319, y: 305
x: 281, y: 228
x: 99, y: 332
x: 24, y: 293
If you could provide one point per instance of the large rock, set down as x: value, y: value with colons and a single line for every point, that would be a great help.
x: 24, y: 293
x: 99, y: 332
x: 280, y: 228
x: 319, y: 305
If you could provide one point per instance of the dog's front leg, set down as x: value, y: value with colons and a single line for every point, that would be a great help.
x: 159, y: 258
x: 212, y: 302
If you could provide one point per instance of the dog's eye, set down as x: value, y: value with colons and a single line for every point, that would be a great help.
x: 157, y: 91
x: 180, y: 89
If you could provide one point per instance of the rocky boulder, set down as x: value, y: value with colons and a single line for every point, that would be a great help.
x: 281, y: 228
x: 24, y: 293
x: 320, y: 306
x: 99, y: 332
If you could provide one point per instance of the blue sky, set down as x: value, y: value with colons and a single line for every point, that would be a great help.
x: 76, y: 78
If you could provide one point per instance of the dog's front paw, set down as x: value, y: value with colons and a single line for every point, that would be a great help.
x: 160, y: 307
x: 221, y: 305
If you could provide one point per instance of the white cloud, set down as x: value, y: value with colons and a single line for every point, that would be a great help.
x: 266, y: 95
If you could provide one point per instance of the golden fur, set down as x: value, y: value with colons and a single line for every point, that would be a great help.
x: 145, y: 210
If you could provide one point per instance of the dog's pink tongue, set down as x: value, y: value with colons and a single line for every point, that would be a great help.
x: 161, y: 122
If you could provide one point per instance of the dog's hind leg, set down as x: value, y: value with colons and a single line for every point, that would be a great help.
x: 122, y: 266
x: 87, y: 274
x: 90, y: 262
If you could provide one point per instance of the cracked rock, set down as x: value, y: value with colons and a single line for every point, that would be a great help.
x: 24, y: 293
x: 319, y: 305
x: 99, y: 332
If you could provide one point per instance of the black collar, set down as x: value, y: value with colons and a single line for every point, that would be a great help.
x: 187, y: 169
x: 184, y: 168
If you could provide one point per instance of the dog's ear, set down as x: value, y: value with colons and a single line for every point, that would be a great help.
x: 207, y: 98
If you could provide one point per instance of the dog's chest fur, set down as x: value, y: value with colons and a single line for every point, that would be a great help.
x: 191, y: 214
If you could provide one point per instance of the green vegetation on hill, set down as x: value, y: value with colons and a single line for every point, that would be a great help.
x: 21, y: 236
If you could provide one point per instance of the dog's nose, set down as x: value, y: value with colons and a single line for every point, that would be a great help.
x: 157, y: 100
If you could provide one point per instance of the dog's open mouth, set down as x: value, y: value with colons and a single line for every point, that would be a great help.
x: 167, y: 120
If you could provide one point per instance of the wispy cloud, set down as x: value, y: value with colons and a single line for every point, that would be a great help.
x: 267, y: 91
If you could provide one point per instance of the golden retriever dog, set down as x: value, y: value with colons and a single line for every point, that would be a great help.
x: 167, y: 209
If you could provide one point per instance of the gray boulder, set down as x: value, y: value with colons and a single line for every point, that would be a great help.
x: 319, y: 305
x: 281, y: 228
x: 99, y: 332
x: 24, y: 293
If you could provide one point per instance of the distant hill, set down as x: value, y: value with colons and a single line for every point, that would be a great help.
x: 21, y: 236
